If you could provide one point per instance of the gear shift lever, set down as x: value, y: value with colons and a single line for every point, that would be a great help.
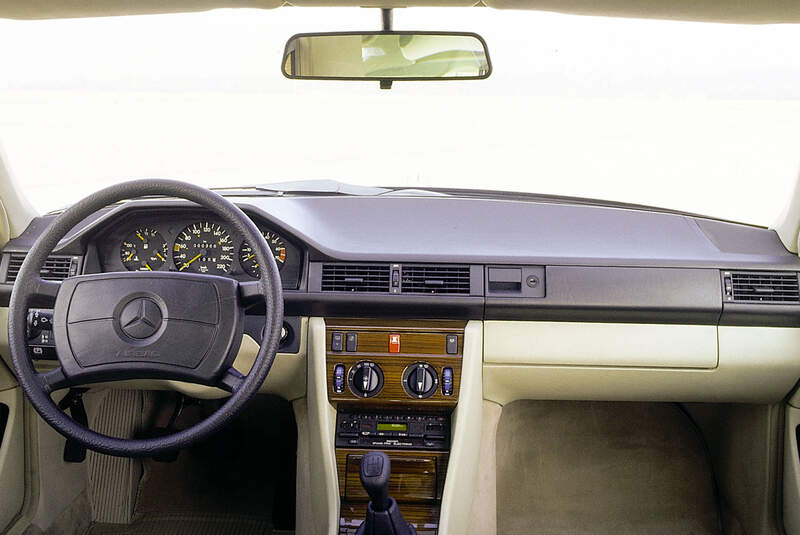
x: 376, y: 469
x: 383, y: 515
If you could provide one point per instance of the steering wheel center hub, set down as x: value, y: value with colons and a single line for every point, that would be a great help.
x: 141, y: 318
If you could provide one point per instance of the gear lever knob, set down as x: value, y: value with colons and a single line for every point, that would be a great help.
x: 376, y: 468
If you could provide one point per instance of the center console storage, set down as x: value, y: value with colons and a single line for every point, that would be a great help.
x: 394, y: 384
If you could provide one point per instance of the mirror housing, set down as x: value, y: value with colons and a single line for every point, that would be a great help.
x: 386, y: 56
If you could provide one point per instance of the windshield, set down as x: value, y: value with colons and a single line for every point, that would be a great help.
x: 697, y: 117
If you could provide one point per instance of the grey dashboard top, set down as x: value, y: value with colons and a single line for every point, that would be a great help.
x: 446, y: 229
x: 681, y: 255
x: 469, y: 230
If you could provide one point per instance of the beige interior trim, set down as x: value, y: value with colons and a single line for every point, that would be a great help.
x: 17, y: 211
x: 60, y: 483
x: 12, y: 458
x: 756, y: 365
x: 462, y: 469
x: 321, y: 434
x: 483, y: 516
x: 600, y: 344
x: 287, y: 377
x: 7, y: 379
x: 791, y: 473
x: 739, y: 11
x: 788, y: 223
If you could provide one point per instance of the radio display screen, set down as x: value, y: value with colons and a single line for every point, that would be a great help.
x: 392, y: 427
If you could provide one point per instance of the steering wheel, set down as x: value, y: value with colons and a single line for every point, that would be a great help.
x: 145, y: 325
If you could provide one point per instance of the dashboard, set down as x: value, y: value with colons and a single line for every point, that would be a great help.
x: 452, y: 258
x: 191, y: 241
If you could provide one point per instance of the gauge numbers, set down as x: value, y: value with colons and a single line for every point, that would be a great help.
x: 143, y: 250
x: 204, y: 248
x: 248, y: 258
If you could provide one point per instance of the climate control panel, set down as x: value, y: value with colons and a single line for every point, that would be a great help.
x: 394, y: 362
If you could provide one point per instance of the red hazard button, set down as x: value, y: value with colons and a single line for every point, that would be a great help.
x: 394, y: 343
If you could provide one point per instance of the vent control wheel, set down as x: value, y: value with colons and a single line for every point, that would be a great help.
x: 365, y: 379
x: 420, y: 380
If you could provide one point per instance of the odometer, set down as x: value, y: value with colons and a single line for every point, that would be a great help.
x: 204, y: 248
x: 248, y: 258
x: 143, y: 250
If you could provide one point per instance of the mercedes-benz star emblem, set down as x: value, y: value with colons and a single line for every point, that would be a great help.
x: 141, y: 318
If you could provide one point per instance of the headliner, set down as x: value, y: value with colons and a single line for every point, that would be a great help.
x: 731, y: 11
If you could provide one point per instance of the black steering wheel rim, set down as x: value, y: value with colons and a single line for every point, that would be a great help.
x: 29, y: 285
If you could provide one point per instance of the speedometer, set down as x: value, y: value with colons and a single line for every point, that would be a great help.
x: 248, y: 258
x: 204, y: 248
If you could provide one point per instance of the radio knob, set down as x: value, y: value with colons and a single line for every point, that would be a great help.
x: 365, y: 379
x: 420, y: 380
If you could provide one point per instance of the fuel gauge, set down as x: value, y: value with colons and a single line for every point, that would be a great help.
x: 143, y: 250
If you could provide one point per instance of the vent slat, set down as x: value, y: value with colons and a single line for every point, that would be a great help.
x: 438, y: 280
x: 373, y: 278
x: 762, y: 287
x: 56, y: 268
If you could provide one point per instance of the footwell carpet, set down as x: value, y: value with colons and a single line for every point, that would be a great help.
x: 575, y: 468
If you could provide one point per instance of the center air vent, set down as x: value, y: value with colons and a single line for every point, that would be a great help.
x: 436, y: 279
x: 769, y: 287
x: 56, y: 268
x: 355, y: 278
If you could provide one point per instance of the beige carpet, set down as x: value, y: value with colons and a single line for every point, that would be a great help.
x: 574, y: 468
x: 187, y: 525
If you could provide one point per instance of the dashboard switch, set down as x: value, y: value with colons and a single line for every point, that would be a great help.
x: 351, y: 342
x: 338, y: 378
x: 394, y: 343
x: 452, y: 344
x: 447, y: 381
x: 337, y: 341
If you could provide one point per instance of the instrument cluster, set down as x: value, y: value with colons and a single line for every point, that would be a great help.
x: 193, y: 244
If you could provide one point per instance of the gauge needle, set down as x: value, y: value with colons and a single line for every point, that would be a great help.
x: 249, y: 257
x: 161, y: 257
x: 140, y: 236
x: 129, y: 257
x: 148, y: 267
x: 189, y: 262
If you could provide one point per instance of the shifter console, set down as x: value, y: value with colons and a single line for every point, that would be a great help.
x: 383, y: 514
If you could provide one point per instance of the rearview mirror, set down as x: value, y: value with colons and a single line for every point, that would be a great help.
x: 386, y: 56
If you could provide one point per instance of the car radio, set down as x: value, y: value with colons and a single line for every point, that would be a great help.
x: 392, y: 431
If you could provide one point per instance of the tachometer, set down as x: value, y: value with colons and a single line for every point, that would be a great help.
x: 248, y: 259
x: 143, y: 250
x: 204, y: 248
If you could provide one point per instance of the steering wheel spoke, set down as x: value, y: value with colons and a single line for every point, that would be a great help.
x: 53, y: 380
x: 45, y: 290
x: 250, y: 293
x: 231, y: 380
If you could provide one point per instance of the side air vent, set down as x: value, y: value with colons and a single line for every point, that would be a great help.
x: 56, y: 268
x: 436, y: 279
x: 768, y: 287
x: 355, y: 278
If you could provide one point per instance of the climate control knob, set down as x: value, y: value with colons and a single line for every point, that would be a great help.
x: 365, y: 379
x: 420, y: 380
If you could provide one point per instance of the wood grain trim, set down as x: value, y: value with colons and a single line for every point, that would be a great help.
x: 393, y: 392
x: 399, y: 472
x: 420, y: 341
x: 424, y: 518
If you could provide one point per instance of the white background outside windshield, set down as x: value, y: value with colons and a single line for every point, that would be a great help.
x: 691, y: 116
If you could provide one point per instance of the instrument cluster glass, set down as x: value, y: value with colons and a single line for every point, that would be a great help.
x: 203, y: 247
x: 143, y: 250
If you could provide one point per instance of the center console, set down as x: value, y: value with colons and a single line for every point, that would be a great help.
x: 394, y: 385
